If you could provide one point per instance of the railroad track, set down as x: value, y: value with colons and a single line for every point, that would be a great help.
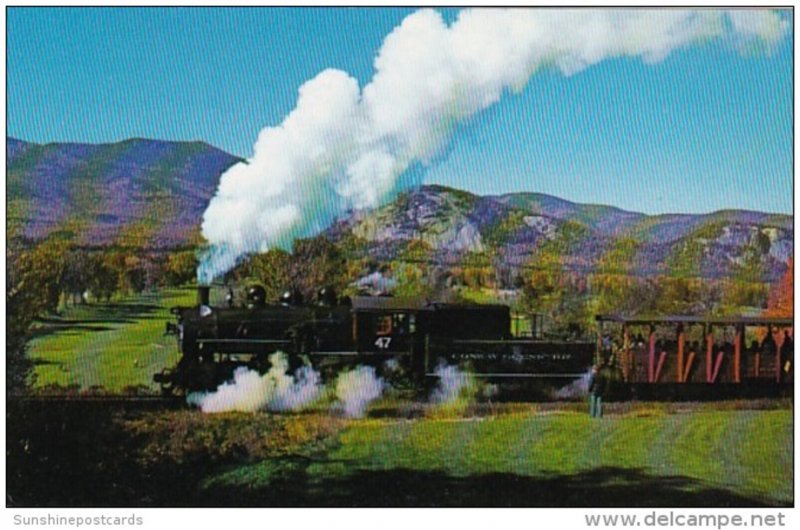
x: 109, y: 400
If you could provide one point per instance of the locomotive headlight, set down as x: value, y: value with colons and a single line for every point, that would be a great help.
x: 205, y: 311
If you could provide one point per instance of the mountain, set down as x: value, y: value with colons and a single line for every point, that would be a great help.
x: 510, y: 230
x: 148, y: 194
x: 136, y: 193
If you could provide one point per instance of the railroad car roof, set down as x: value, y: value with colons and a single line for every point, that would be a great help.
x: 383, y: 303
x: 399, y: 303
x: 694, y: 319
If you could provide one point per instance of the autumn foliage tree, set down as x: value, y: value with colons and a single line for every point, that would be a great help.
x: 33, y: 285
x: 317, y: 262
x: 781, y: 297
x: 271, y: 269
x: 180, y: 268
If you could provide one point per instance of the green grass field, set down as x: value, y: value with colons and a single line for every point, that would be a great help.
x: 523, y: 455
x: 111, y: 346
x: 703, y: 458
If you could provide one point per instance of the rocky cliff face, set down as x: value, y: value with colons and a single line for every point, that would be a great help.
x: 512, y: 227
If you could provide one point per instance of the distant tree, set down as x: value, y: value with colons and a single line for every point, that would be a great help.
x: 678, y: 295
x: 549, y: 290
x: 477, y: 270
x: 781, y: 296
x: 641, y: 297
x: 33, y: 284
x: 546, y: 281
x: 411, y: 280
x: 77, y: 275
x: 453, y: 277
x: 317, y: 262
x: 417, y: 250
x: 271, y: 269
x: 542, y: 286
x: 135, y: 273
x: 116, y: 260
x: 130, y: 272
x: 610, y: 293
x: 19, y: 316
x: 180, y: 268
x: 352, y: 246
x: 104, y: 280
x: 356, y: 268
x: 505, y: 277
x: 43, y: 269
x: 745, y: 288
x: 473, y: 277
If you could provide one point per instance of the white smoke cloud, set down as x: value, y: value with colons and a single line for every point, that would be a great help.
x: 250, y: 391
x: 344, y: 147
x: 576, y: 389
x: 453, y: 385
x: 356, y: 389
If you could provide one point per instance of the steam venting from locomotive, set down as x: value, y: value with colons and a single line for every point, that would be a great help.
x: 278, y: 390
x: 250, y: 391
x: 453, y: 385
x: 356, y: 389
x: 345, y: 147
x: 576, y: 389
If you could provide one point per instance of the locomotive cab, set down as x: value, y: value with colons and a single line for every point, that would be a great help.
x: 387, y: 325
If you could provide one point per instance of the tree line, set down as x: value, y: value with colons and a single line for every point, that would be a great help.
x: 45, y: 278
x: 48, y: 277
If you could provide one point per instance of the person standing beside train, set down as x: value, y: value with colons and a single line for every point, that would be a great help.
x: 598, y: 384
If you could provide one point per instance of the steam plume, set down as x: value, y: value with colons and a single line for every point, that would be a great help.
x: 250, y: 391
x: 356, y: 389
x: 345, y: 147
x: 453, y: 385
x: 576, y: 389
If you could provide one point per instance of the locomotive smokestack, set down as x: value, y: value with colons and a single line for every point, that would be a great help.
x: 203, y: 294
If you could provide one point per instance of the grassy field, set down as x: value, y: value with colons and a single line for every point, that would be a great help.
x: 702, y: 458
x: 111, y: 346
x: 641, y: 455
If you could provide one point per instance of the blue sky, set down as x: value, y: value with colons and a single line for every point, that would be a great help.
x: 708, y: 128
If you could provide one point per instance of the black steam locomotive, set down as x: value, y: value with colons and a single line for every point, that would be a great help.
x: 415, y: 333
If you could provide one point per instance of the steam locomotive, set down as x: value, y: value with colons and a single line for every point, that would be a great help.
x: 416, y: 334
